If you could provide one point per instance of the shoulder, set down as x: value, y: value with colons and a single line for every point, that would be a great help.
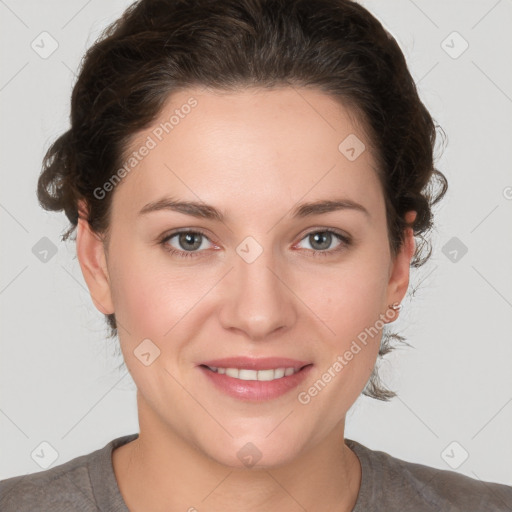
x: 392, y: 481
x: 70, y: 486
x: 66, y: 485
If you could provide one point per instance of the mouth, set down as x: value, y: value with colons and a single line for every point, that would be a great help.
x: 255, y: 380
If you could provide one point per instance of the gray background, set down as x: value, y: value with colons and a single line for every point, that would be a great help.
x: 58, y: 372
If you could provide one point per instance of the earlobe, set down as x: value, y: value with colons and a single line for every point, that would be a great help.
x: 91, y: 256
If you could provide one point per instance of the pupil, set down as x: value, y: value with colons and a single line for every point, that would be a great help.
x: 188, y: 238
x: 319, y: 236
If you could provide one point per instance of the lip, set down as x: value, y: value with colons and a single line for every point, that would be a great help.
x: 251, y: 363
x: 254, y: 390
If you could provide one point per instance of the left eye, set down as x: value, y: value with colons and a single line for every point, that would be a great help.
x: 321, y: 241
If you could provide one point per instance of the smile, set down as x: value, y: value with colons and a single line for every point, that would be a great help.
x: 256, y: 384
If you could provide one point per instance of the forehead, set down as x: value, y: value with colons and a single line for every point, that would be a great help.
x: 249, y: 148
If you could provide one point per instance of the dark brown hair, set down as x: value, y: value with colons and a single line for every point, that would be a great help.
x: 160, y: 46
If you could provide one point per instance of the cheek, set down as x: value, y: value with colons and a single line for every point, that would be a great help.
x: 350, y: 307
x: 349, y: 298
x: 149, y: 296
x: 136, y: 299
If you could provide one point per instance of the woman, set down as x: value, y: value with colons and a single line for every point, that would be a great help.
x: 246, y: 180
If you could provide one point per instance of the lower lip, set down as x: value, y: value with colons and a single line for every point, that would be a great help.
x: 255, y: 390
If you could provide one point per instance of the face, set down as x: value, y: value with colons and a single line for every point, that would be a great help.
x: 251, y: 274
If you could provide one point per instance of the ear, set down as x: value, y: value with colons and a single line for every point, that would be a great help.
x: 400, y: 266
x: 93, y: 262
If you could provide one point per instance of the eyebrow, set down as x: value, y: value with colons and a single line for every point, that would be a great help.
x: 205, y: 211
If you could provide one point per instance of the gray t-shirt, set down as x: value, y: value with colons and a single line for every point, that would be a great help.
x: 88, y: 483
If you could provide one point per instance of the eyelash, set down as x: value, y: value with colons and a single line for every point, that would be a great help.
x: 345, y: 242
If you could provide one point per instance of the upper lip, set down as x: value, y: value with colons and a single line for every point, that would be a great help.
x: 250, y: 363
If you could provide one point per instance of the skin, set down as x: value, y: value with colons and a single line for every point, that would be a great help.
x: 255, y: 155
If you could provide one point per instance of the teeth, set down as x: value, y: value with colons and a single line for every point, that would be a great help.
x: 262, y: 375
x: 244, y: 374
x: 280, y: 372
x: 266, y: 375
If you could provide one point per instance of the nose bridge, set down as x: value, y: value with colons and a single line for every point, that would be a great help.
x: 256, y: 302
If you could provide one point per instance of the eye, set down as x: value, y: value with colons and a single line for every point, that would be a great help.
x: 188, y: 243
x: 321, y: 242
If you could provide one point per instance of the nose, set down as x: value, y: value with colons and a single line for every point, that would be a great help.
x: 257, y: 299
